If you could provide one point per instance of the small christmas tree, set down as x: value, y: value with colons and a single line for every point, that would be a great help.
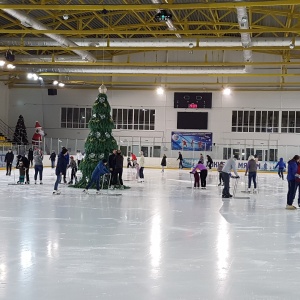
x: 20, y: 135
x: 100, y: 142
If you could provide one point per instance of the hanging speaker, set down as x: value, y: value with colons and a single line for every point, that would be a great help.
x: 52, y: 92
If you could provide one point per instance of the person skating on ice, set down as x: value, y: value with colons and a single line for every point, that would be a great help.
x: 38, y: 164
x: 79, y: 157
x: 209, y: 162
x: 73, y: 167
x: 163, y: 163
x: 219, y: 169
x: 26, y: 165
x: 292, y: 184
x: 9, y: 158
x: 118, y: 171
x: 141, y: 167
x: 251, y: 171
x: 30, y: 157
x: 52, y: 159
x: 112, y: 165
x: 99, y: 171
x: 229, y: 165
x: 203, y: 174
x: 180, y: 158
x: 61, y: 166
x: 281, y: 166
x: 22, y: 171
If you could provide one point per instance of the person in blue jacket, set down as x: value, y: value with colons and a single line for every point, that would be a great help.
x: 61, y: 166
x: 281, y: 166
x: 292, y: 184
x: 100, y: 170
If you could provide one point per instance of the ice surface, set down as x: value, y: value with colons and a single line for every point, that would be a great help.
x: 158, y: 240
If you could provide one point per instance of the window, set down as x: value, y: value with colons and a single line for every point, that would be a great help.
x: 255, y: 121
x: 290, y: 121
x: 134, y: 119
x: 74, y: 117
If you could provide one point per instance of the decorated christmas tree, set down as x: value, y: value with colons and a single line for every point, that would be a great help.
x: 100, y: 142
x: 20, y: 135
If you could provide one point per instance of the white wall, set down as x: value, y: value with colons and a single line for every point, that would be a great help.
x: 35, y: 104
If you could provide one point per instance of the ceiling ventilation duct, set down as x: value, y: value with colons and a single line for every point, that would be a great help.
x: 29, y: 21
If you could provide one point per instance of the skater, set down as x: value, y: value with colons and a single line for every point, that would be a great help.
x: 26, y: 165
x: 38, y: 165
x: 141, y: 166
x: 129, y: 165
x: 52, y: 158
x: 61, y: 167
x: 180, y: 158
x: 9, y: 158
x: 229, y: 165
x: 203, y: 175
x: 22, y: 170
x: 112, y: 165
x: 73, y: 167
x: 201, y: 159
x: 220, y: 167
x: 30, y: 157
x: 118, y: 170
x: 79, y: 157
x: 163, y: 163
x: 196, y: 179
x: 67, y: 158
x: 133, y: 159
x: 209, y: 162
x: 281, y: 166
x: 251, y: 171
x: 100, y: 170
x: 291, y: 178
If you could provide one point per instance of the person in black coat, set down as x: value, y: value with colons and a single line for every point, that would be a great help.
x: 163, y: 163
x: 118, y: 170
x: 30, y: 156
x: 26, y: 165
x: 180, y: 158
x: 112, y: 164
x: 67, y: 158
x: 52, y: 158
x: 209, y: 162
x: 61, y: 166
x: 9, y: 158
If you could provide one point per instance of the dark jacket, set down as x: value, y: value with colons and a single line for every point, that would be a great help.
x: 99, y: 170
x: 30, y: 154
x: 281, y: 164
x: 25, y: 161
x: 9, y: 157
x: 119, y: 161
x: 180, y: 157
x: 52, y: 156
x: 112, y: 161
x: 61, y: 165
x: 292, y: 170
x: 163, y: 161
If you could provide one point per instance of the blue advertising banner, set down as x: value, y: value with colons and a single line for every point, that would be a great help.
x: 191, y: 141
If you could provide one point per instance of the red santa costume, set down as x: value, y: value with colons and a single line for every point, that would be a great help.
x: 38, y: 135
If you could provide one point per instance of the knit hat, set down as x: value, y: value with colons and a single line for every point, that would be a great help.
x: 104, y: 160
x: 64, y: 150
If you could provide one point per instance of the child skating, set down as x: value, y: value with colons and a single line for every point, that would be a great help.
x: 22, y: 170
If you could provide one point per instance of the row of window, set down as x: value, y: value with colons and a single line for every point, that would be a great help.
x: 265, y: 121
x: 137, y: 119
x: 244, y: 153
x: 132, y: 119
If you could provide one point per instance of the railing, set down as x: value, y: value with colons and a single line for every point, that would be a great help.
x: 8, y: 132
x: 154, y: 147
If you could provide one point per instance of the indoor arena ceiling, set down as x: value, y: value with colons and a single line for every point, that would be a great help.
x: 83, y: 43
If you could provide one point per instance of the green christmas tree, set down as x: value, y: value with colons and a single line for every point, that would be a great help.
x: 100, y: 142
x: 20, y: 135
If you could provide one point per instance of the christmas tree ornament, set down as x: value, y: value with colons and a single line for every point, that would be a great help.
x: 102, y: 116
x: 102, y: 89
x: 92, y: 155
x: 101, y: 99
x: 98, y: 134
x: 107, y: 134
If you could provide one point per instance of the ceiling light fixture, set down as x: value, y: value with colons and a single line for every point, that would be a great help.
x: 65, y: 16
x: 61, y: 84
x: 2, y: 63
x: 227, y: 91
x: 160, y: 90
x: 55, y: 82
x: 10, y: 66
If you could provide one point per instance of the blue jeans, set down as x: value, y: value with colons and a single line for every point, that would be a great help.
x: 291, y: 191
x: 226, y: 180
x: 58, y: 179
x: 52, y: 164
x: 94, y: 180
x: 251, y: 175
x: 38, y: 169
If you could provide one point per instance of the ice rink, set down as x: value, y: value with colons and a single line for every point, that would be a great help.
x: 158, y: 240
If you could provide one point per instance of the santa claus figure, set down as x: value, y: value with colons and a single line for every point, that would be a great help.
x: 38, y: 135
